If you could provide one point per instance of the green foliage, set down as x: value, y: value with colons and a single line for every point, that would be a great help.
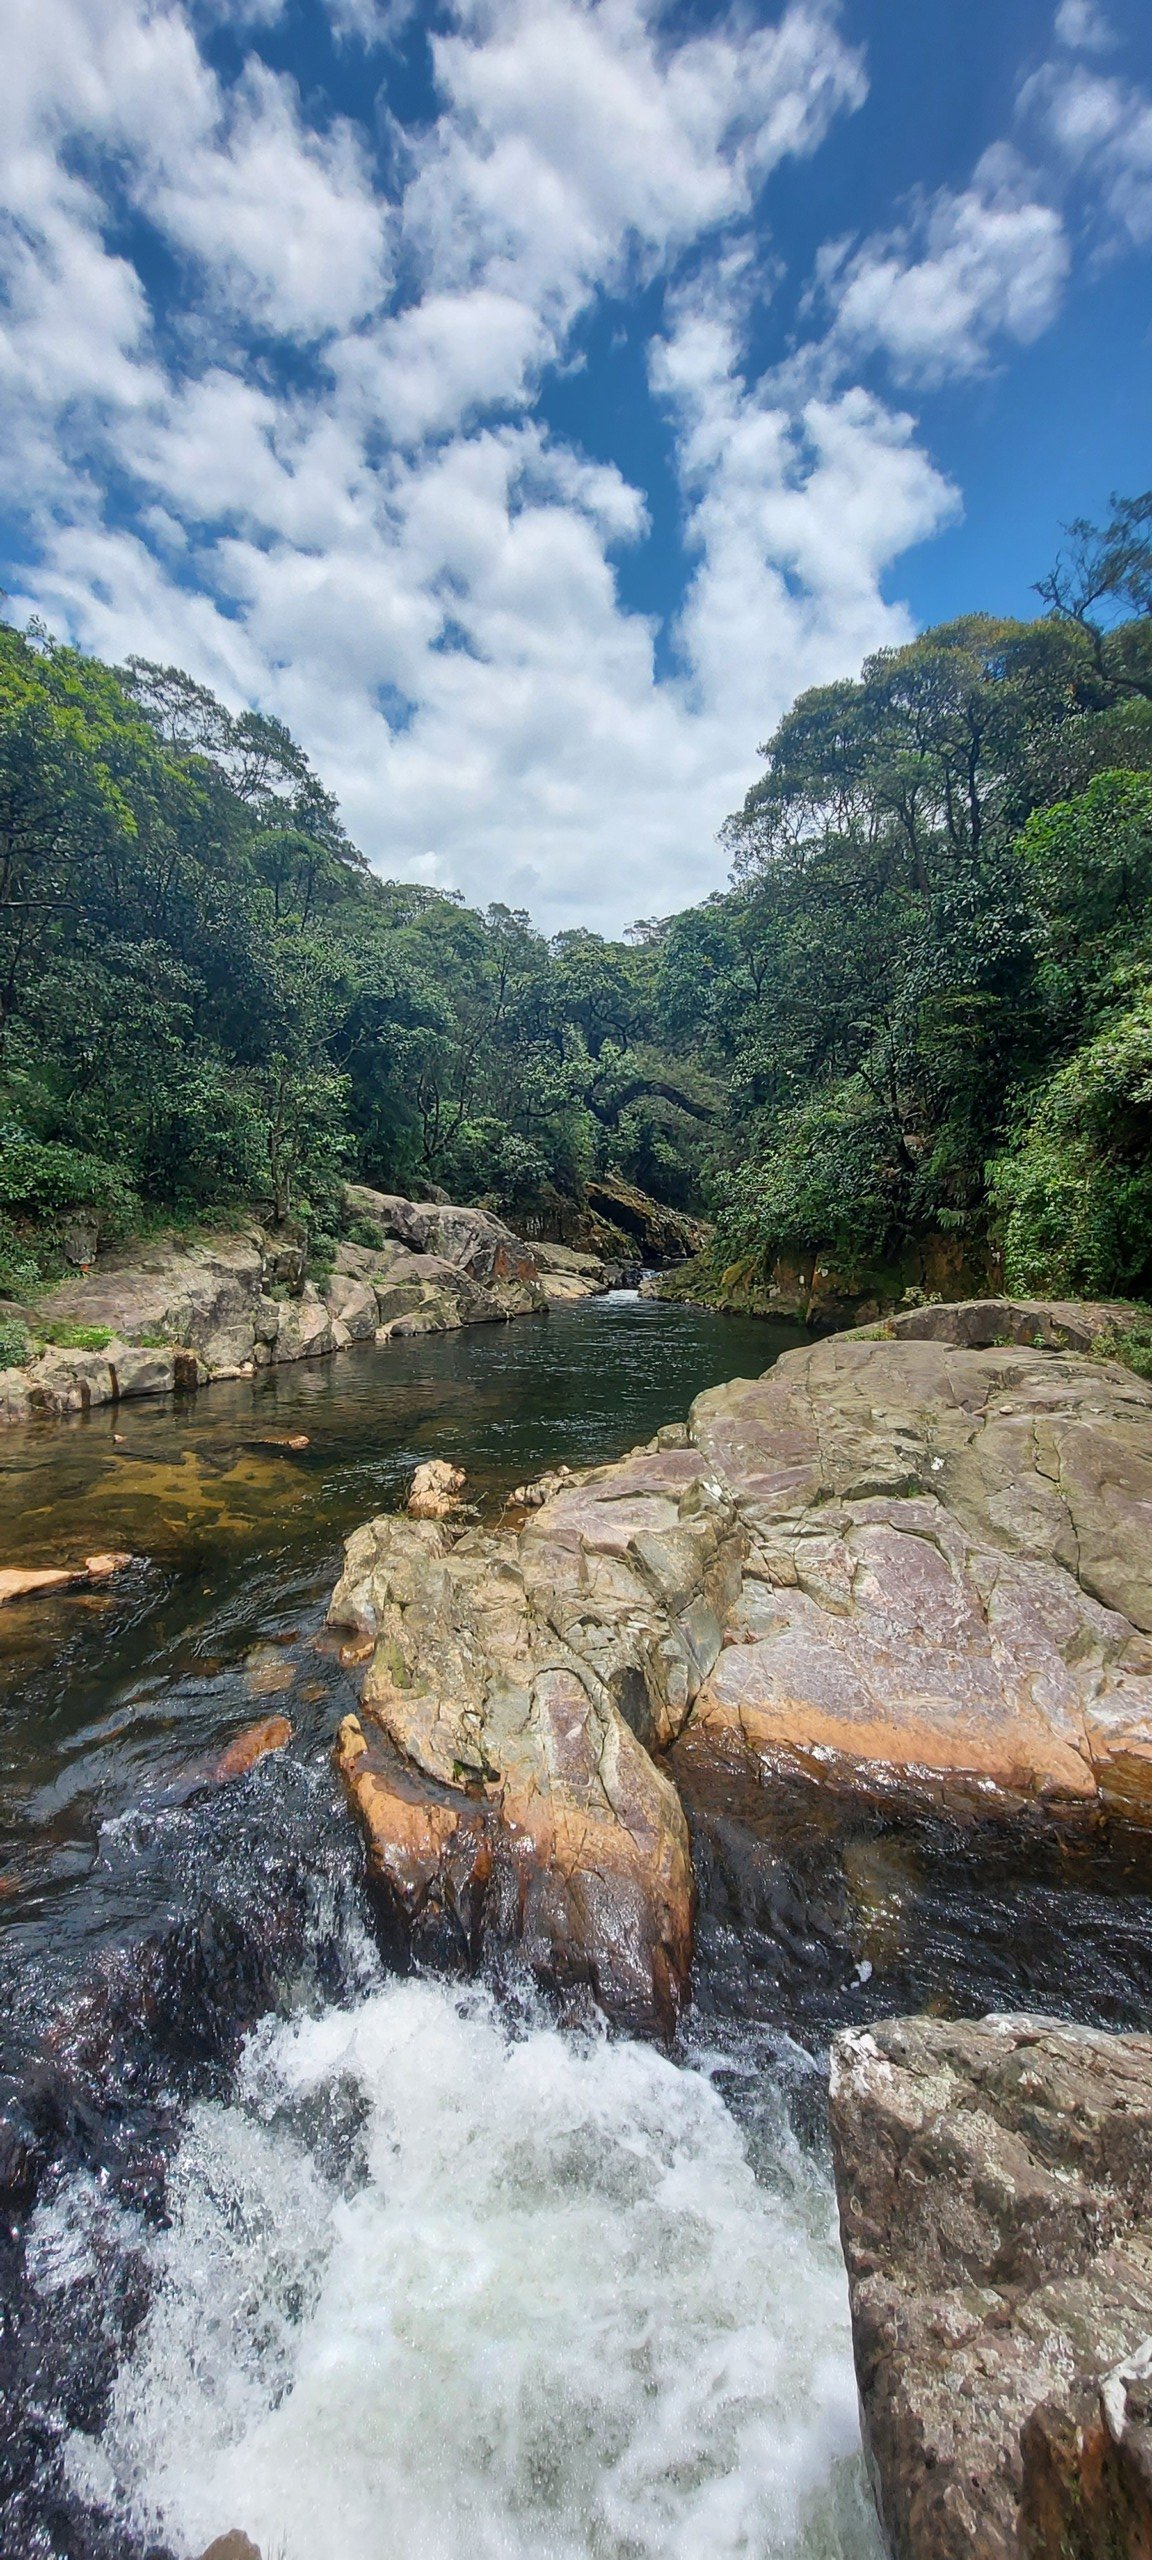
x: 207, y: 998
x: 15, y: 1345
x: 61, y: 1336
x: 1131, y: 1344
x: 1075, y: 1194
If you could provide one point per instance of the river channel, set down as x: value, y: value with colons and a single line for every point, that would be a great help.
x: 369, y: 2266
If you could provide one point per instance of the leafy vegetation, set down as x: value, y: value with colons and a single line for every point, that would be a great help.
x: 206, y: 997
x: 921, y: 1014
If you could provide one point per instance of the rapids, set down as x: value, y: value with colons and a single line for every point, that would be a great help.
x: 448, y: 2282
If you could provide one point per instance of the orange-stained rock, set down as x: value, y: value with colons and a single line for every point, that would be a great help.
x: 231, y: 2546
x: 503, y: 1798
x: 949, y: 1570
x: 18, y: 1582
x: 239, y: 1756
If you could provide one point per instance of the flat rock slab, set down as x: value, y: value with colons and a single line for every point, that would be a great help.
x: 995, y: 2190
x: 948, y: 1574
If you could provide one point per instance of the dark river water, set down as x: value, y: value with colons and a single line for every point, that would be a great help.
x: 363, y: 2264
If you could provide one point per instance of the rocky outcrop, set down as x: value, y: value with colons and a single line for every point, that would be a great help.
x: 911, y: 1568
x: 499, y: 1767
x: 179, y: 1313
x: 650, y: 1230
x: 567, y: 1275
x: 948, y: 1582
x: 995, y: 2190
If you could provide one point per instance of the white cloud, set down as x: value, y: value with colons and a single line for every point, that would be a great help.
x: 1099, y: 130
x: 1083, y: 27
x: 396, y: 529
x: 972, y: 266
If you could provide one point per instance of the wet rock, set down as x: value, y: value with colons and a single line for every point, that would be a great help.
x: 231, y: 2546
x: 257, y: 1740
x: 503, y: 1798
x: 22, y: 1582
x: 995, y: 2189
x: 435, y: 1490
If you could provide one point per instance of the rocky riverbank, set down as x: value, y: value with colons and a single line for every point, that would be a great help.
x: 180, y: 1314
x: 917, y: 1570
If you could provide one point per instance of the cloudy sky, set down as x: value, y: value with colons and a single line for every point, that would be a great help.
x: 525, y: 398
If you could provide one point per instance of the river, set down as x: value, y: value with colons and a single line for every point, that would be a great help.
x: 365, y: 2265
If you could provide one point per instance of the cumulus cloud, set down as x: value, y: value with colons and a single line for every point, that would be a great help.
x: 312, y: 468
x: 969, y: 267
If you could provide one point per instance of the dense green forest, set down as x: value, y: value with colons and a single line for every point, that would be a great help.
x: 923, y: 1010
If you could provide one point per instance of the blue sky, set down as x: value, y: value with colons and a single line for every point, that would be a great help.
x: 526, y: 398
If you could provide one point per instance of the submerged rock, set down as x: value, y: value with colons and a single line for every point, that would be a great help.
x: 23, y: 1582
x: 995, y: 2189
x: 256, y: 1741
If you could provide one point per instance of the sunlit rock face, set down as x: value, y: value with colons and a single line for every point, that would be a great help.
x: 995, y: 2187
x: 949, y: 1576
x: 907, y: 1567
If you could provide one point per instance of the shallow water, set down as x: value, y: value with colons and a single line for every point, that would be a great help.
x: 366, y: 2265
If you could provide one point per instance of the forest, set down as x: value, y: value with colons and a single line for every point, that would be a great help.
x: 921, y: 1012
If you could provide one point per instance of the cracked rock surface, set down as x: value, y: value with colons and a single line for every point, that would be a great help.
x: 899, y: 1564
x: 995, y: 2189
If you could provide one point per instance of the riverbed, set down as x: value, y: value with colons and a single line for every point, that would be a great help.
x: 362, y: 2264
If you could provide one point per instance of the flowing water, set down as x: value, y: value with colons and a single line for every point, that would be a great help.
x: 370, y: 2266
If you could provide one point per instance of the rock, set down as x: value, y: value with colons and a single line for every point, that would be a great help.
x: 19, y: 1582
x: 657, y: 1234
x: 201, y: 1296
x: 435, y: 1490
x: 949, y: 1573
x: 531, y: 1497
x: 351, y: 1302
x: 305, y: 1330
x: 1048, y: 1324
x: 256, y: 1741
x: 567, y: 1258
x: 231, y: 2546
x: 567, y: 1276
x: 995, y: 2190
x: 471, y: 1239
x: 503, y: 1799
x: 180, y: 1314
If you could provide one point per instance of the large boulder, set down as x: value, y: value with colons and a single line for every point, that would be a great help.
x: 504, y: 1799
x: 995, y: 2189
x: 655, y: 1233
x: 472, y: 1239
x: 948, y: 1581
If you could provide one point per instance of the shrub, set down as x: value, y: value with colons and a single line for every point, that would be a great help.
x: 15, y: 1346
x: 1074, y: 1198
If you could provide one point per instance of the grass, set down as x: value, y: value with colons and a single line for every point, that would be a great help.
x: 61, y: 1336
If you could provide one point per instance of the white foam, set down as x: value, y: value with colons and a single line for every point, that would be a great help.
x: 546, y: 2311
